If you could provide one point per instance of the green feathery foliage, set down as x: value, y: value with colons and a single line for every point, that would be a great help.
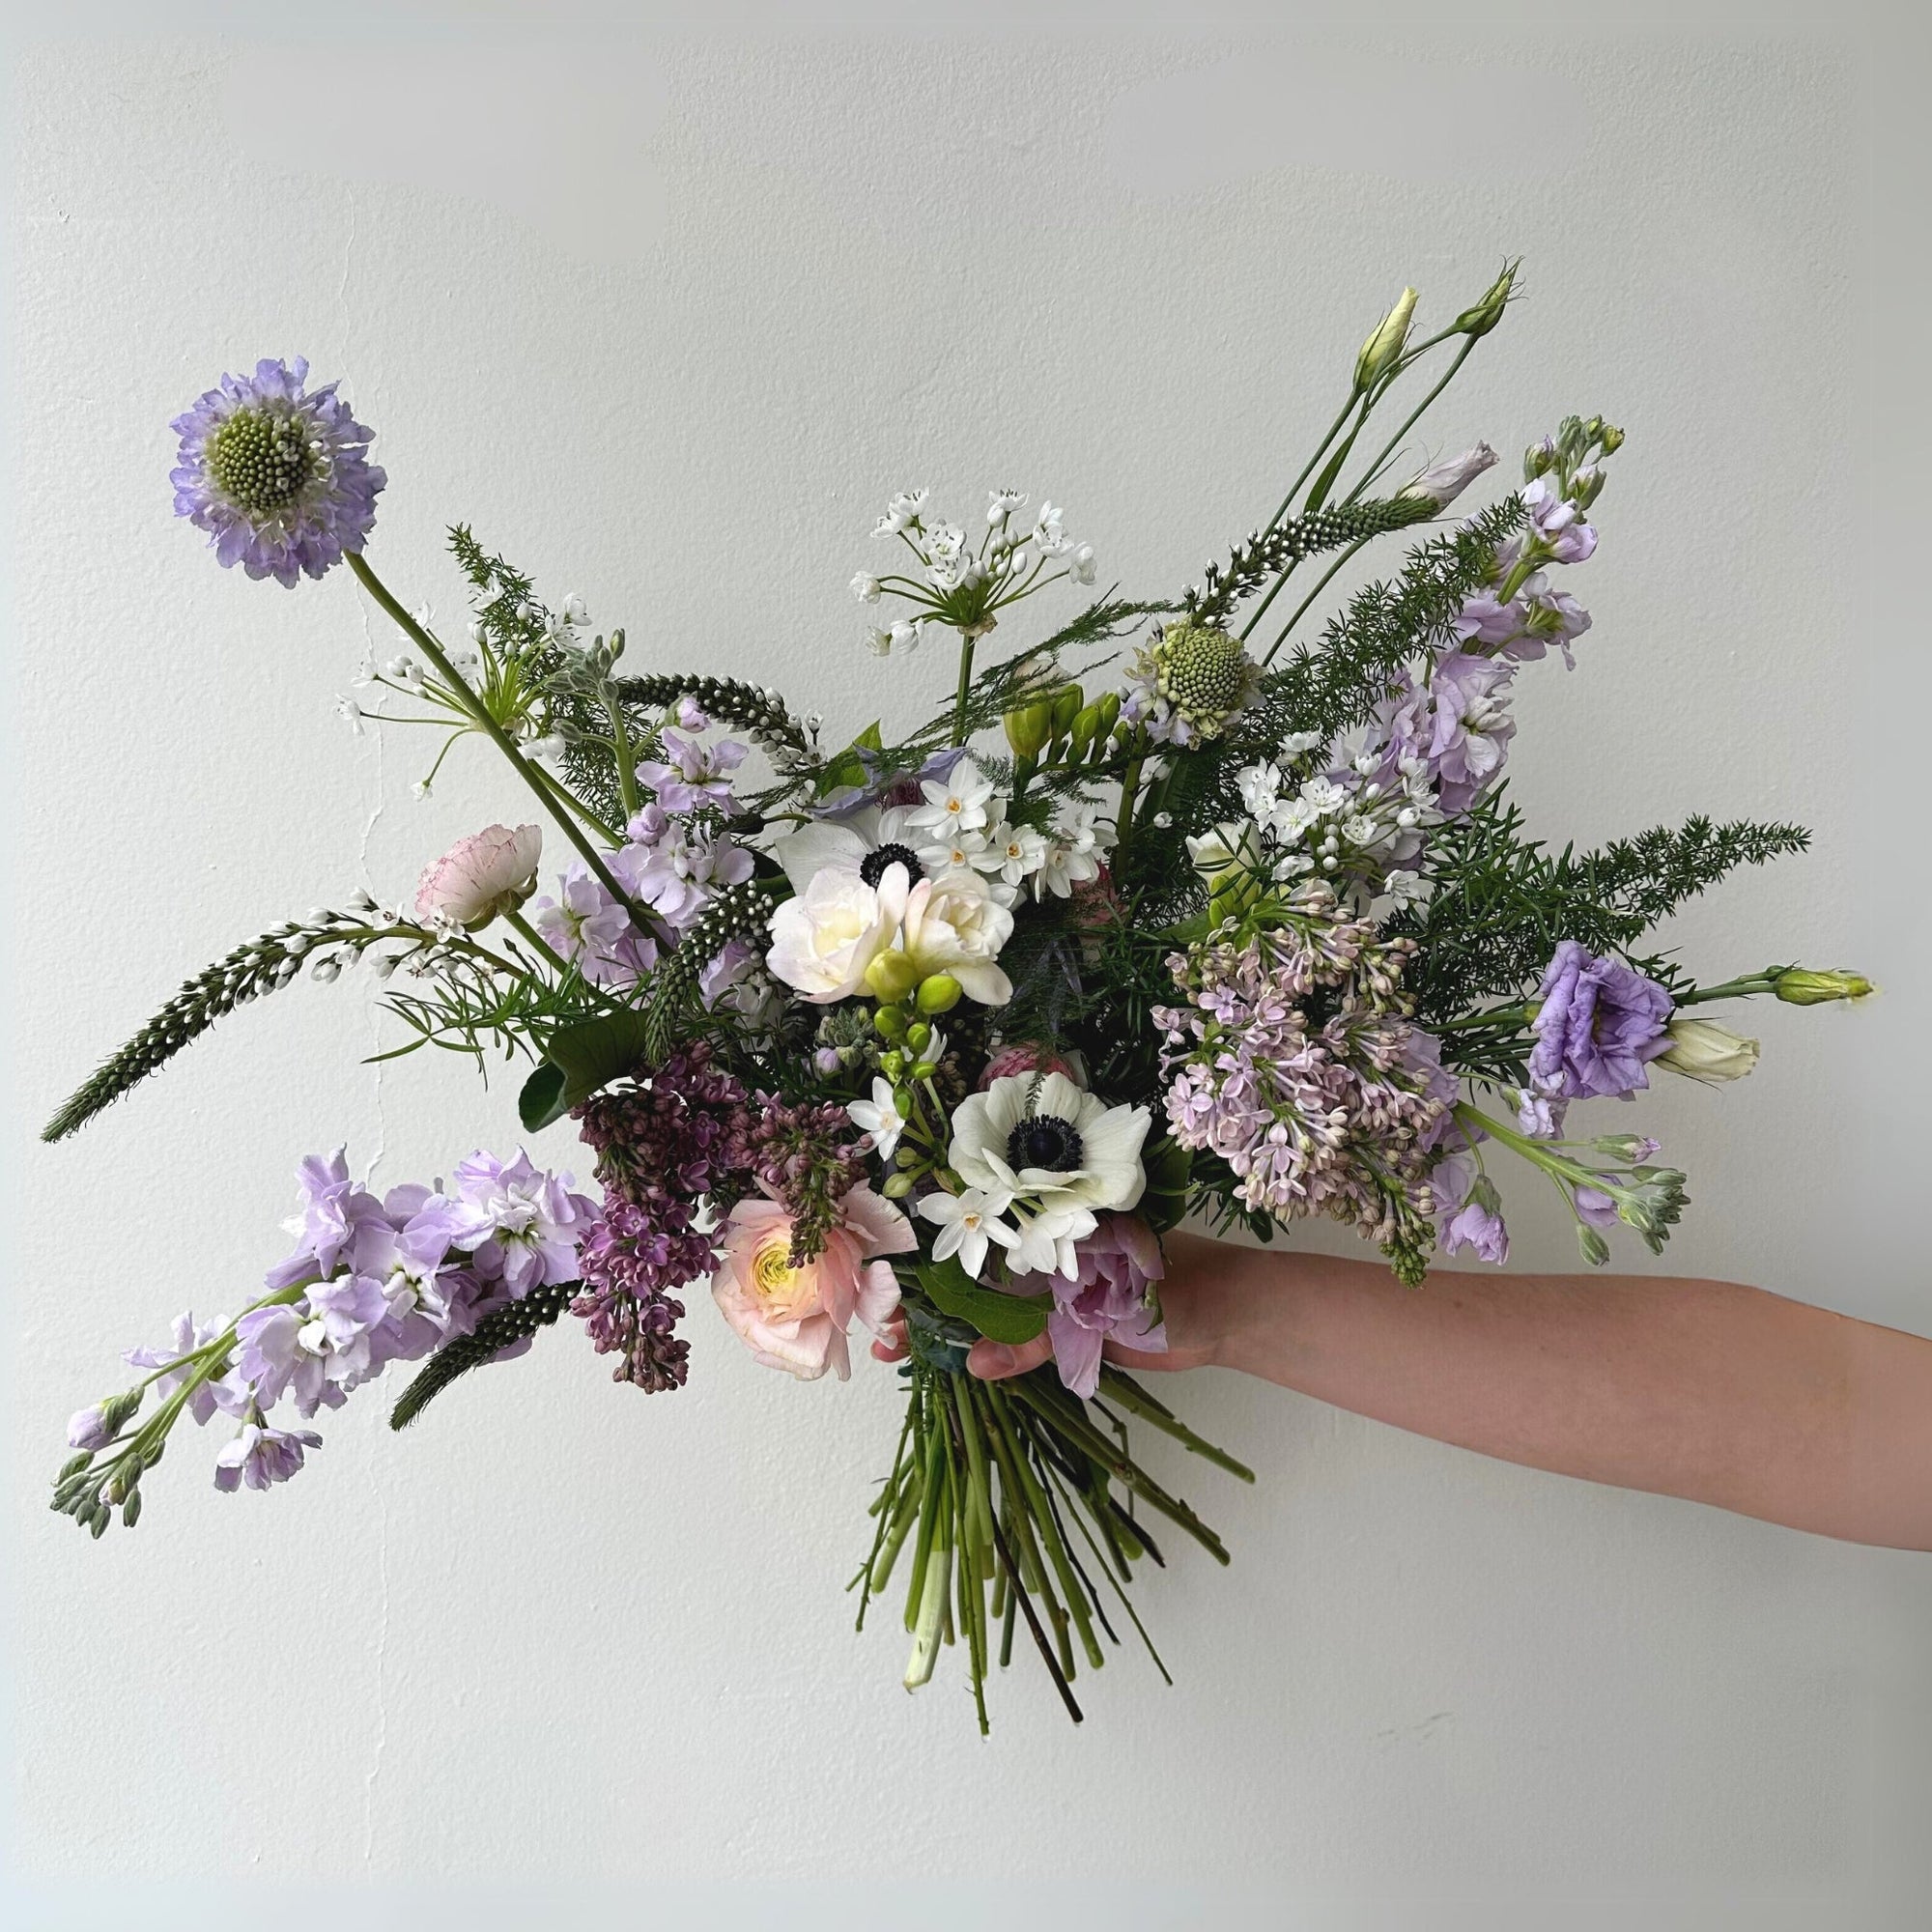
x: 1268, y: 552
x: 262, y: 965
x: 1335, y: 684
x: 1502, y: 902
x: 496, y: 1332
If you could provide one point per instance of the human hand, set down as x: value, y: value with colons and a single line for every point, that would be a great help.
x: 1187, y: 1300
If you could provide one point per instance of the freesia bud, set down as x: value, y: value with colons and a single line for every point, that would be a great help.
x: 891, y: 976
x: 1441, y: 483
x: 938, y: 993
x: 1066, y: 703
x: 1383, y: 348
x: 1703, y: 1050
x: 1801, y: 987
x: 1028, y: 726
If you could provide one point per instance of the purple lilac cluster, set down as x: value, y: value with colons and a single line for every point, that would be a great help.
x: 1342, y: 1116
x: 808, y: 1157
x: 662, y: 1148
x: 279, y: 476
x: 370, y: 1282
x: 677, y: 852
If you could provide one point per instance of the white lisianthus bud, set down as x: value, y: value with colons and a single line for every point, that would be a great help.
x: 1703, y: 1050
x: 1384, y: 346
x: 1441, y: 483
x: 866, y: 587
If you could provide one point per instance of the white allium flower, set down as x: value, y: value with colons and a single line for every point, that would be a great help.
x: 880, y: 1118
x: 879, y: 642
x: 1260, y: 787
x: 1047, y: 1142
x: 1405, y: 888
x: 866, y: 587
x: 956, y: 806
x: 406, y: 672
x: 351, y: 713
x: 1324, y: 797
x: 1001, y: 504
x: 906, y: 638
x: 945, y: 540
x: 574, y: 611
x: 901, y: 513
x: 1081, y: 563
x: 1299, y: 742
x: 1047, y: 532
x: 967, y: 1223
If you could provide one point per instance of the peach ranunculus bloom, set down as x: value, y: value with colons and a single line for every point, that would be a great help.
x: 491, y: 871
x: 795, y: 1319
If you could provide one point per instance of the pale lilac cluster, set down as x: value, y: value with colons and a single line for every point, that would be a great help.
x: 379, y: 1281
x: 279, y: 476
x: 1339, y: 1115
x: 677, y: 852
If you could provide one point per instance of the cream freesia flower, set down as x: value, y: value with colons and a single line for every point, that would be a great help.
x: 953, y: 924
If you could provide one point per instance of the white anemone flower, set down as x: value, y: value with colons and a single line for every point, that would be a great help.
x: 862, y: 843
x: 1046, y: 1141
x: 880, y: 1118
x: 968, y: 1224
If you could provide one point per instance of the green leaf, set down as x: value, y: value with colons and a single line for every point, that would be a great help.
x: 848, y: 768
x: 998, y: 1316
x: 577, y: 1061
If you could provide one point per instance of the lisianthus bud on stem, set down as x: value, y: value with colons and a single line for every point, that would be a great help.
x: 1803, y: 987
x: 1383, y: 350
x: 1703, y: 1050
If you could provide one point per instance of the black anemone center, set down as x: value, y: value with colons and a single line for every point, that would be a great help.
x: 872, y: 868
x: 1047, y: 1142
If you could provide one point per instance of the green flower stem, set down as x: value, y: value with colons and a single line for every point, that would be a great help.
x: 1301, y: 609
x: 1033, y: 1499
x: 620, y: 745
x: 1308, y: 468
x: 474, y: 705
x: 1414, y: 417
x: 967, y: 641
x: 1566, y: 1172
x: 533, y: 938
x: 1123, y: 818
x: 568, y: 801
x: 1131, y: 1396
x: 1318, y: 494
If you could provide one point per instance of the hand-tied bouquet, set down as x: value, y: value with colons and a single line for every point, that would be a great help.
x: 941, y: 1037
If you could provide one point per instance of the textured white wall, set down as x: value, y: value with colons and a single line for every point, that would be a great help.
x: 667, y: 323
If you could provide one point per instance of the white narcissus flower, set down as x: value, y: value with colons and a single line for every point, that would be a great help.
x: 1703, y: 1050
x: 823, y: 940
x: 967, y: 1223
x: 1012, y: 851
x: 1046, y: 1242
x: 880, y: 1118
x: 1047, y: 1142
x: 953, y: 924
x: 1063, y: 867
x: 491, y: 873
x: 955, y: 806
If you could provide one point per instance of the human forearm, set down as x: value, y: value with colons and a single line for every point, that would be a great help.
x: 1707, y: 1390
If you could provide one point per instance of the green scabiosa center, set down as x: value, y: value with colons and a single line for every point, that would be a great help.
x: 1047, y: 1142
x: 260, y: 461
x: 1203, y: 668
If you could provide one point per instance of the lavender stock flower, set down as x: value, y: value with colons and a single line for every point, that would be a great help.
x: 1599, y: 1024
x: 279, y: 476
x: 260, y: 1456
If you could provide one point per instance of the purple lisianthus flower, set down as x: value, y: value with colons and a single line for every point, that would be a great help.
x: 1112, y: 1297
x: 1599, y: 1023
x: 696, y: 774
x: 279, y: 476
x: 522, y: 1224
x: 260, y: 1456
x: 1558, y: 522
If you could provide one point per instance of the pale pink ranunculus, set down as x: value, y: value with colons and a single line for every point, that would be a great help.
x: 491, y: 873
x: 795, y: 1319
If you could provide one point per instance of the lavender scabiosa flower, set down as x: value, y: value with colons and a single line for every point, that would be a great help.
x: 1338, y: 1116
x: 277, y: 475
x: 1599, y: 1024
